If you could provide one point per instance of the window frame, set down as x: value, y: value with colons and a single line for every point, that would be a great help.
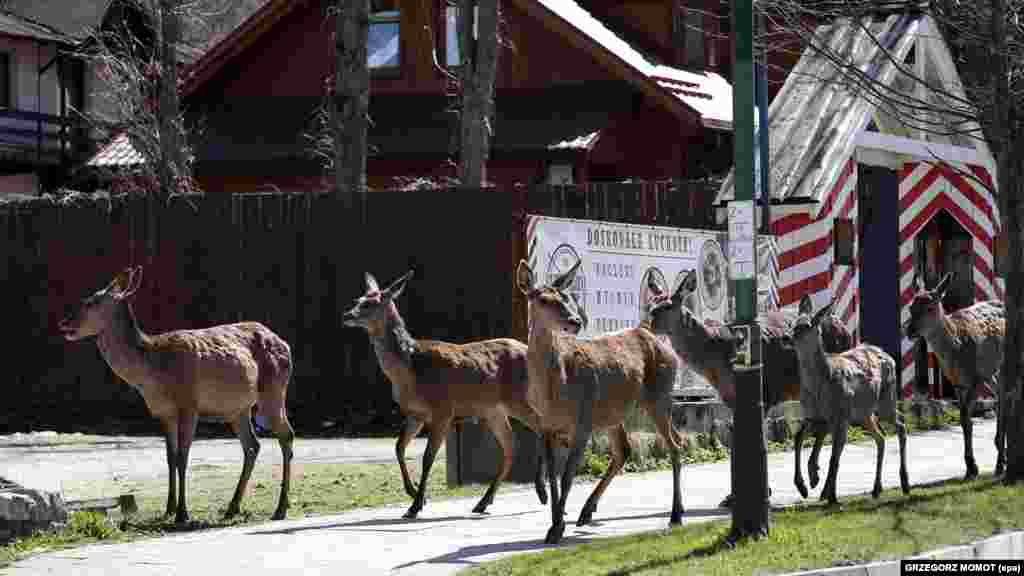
x: 386, y: 17
x: 445, y: 14
x: 7, y: 88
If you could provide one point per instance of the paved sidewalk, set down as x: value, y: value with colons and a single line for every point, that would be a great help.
x: 448, y: 537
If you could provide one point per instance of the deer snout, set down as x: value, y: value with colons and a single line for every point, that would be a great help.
x: 348, y: 318
x: 67, y: 327
x: 908, y: 329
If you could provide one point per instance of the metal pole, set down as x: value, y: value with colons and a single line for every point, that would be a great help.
x: 750, y: 512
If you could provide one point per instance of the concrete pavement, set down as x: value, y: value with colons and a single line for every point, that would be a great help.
x: 448, y: 537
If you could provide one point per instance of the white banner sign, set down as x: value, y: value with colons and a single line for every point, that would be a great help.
x: 611, y: 284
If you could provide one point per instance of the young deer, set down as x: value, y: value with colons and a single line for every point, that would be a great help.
x: 218, y: 372
x: 435, y: 383
x: 709, y: 350
x: 969, y: 346
x: 586, y: 385
x: 860, y: 385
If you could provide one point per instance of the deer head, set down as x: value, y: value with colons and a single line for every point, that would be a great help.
x: 96, y: 312
x: 371, y: 310
x: 552, y: 305
x: 710, y: 350
x: 806, y: 330
x: 926, y: 308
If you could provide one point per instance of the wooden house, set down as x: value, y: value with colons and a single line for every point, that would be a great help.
x: 586, y: 91
x: 916, y: 203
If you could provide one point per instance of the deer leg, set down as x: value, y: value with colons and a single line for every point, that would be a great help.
x: 437, y: 436
x: 171, y: 443
x: 557, y: 508
x: 871, y: 425
x: 410, y: 429
x: 901, y: 434
x: 502, y: 430
x: 838, y: 443
x: 618, y: 442
x: 798, y: 442
x: 250, y: 450
x: 663, y: 421
x: 538, y: 479
x: 187, y: 421
x: 820, y: 429
x: 967, y: 397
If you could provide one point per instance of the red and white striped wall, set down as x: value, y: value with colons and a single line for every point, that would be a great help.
x: 925, y: 189
x: 805, y: 254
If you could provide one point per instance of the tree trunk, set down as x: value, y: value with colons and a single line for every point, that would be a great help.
x: 1010, y: 179
x: 352, y: 93
x: 479, y: 69
x: 172, y: 161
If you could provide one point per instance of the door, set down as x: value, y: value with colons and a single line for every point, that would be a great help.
x: 878, y: 236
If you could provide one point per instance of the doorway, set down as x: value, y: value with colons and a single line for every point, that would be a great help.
x: 940, y: 247
x: 878, y: 236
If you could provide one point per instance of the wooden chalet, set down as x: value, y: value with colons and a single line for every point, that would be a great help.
x: 588, y: 90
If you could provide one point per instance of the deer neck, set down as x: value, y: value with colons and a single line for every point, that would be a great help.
x: 394, y: 345
x: 123, y: 345
x: 544, y: 352
x: 941, y: 338
x: 813, y: 365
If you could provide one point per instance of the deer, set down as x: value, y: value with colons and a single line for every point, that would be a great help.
x: 437, y: 383
x: 969, y: 346
x: 707, y: 349
x: 586, y: 385
x: 219, y: 372
x: 860, y: 385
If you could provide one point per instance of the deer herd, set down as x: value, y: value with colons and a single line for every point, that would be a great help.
x: 560, y: 385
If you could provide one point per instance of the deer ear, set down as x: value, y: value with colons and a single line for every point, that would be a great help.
x: 805, y: 304
x: 122, y: 280
x: 396, y: 287
x: 940, y: 290
x: 371, y: 283
x: 133, y: 283
x: 822, y: 313
x: 687, y: 286
x: 563, y: 281
x: 653, y: 286
x: 524, y: 277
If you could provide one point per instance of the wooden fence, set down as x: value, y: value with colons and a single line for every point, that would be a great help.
x: 288, y: 260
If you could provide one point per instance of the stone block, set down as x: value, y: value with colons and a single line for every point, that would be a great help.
x: 25, y: 510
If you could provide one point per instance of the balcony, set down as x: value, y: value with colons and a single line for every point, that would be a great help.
x: 39, y: 139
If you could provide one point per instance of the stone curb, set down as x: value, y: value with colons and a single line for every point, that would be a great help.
x: 1010, y: 545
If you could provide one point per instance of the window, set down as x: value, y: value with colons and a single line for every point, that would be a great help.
x: 6, y: 97
x: 843, y: 241
x: 382, y: 48
x: 453, y: 55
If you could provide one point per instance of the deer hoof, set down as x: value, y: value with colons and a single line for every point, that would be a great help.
x: 586, y: 517
x: 876, y: 492
x: 801, y: 488
x: 182, y: 518
x: 814, y: 478
x: 411, y: 513
x: 972, y: 473
x: 727, y: 501
x: 542, y: 494
x: 555, y: 533
x: 280, y: 514
x: 999, y: 469
x: 480, y: 508
x: 231, y: 512
x: 676, y: 519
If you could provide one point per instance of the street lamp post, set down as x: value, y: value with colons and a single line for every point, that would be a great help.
x: 750, y: 511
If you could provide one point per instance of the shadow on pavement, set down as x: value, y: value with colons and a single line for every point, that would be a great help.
x: 463, y: 555
x: 382, y: 522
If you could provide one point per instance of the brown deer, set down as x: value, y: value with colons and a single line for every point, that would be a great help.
x: 435, y: 383
x: 708, y: 349
x: 587, y: 385
x: 217, y: 372
x: 860, y: 385
x: 969, y: 346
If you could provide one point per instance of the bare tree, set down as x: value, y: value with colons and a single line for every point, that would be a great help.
x: 136, y: 64
x: 478, y: 47
x: 987, y: 42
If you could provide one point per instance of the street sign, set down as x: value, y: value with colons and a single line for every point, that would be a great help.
x: 741, y: 240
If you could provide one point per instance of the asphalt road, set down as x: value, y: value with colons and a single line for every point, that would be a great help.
x: 448, y: 537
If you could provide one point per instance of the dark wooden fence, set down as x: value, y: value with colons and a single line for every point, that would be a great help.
x: 288, y: 260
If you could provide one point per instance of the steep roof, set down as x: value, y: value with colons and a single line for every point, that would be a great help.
x: 12, y: 24
x: 816, y: 118
x: 705, y: 95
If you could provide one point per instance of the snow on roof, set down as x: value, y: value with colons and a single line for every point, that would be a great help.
x: 814, y: 120
x: 707, y: 93
x: 117, y: 152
